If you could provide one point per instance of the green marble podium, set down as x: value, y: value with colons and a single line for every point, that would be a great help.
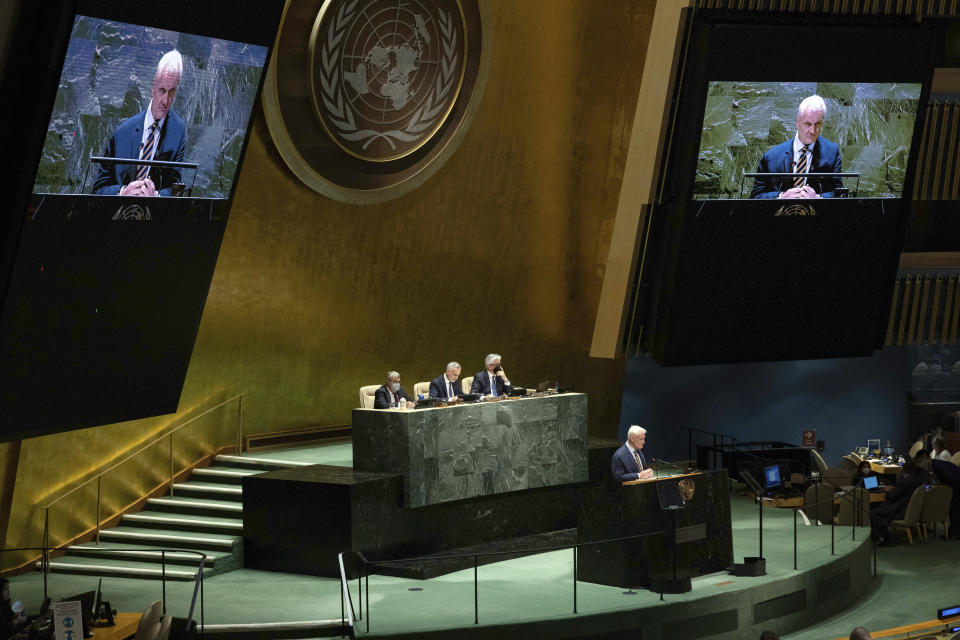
x: 481, y: 449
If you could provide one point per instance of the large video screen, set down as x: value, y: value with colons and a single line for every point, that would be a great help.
x: 119, y: 79
x: 132, y: 124
x: 860, y: 131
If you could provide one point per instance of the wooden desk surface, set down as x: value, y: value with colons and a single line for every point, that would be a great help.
x: 125, y: 625
x: 888, y: 469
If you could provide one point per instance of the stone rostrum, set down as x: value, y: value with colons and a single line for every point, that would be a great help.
x: 390, y: 87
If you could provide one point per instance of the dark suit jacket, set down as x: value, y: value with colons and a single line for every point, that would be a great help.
x: 825, y: 159
x: 481, y: 384
x: 125, y: 143
x: 438, y: 387
x: 623, y: 466
x: 383, y: 398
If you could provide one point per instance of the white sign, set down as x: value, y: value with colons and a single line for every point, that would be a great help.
x: 68, y: 620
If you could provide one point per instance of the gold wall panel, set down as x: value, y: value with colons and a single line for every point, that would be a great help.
x: 502, y: 250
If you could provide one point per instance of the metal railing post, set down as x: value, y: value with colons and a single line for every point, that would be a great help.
x: 476, y: 602
x: 360, y: 569
x: 574, y: 578
x: 794, y: 538
x: 367, y: 582
x: 163, y: 577
x: 99, y: 486
x: 239, y: 444
x: 832, y: 529
x: 171, y: 463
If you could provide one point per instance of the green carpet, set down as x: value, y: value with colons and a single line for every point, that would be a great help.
x: 913, y: 582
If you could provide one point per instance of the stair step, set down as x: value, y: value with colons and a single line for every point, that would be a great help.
x: 172, y: 539
x: 260, y: 462
x: 181, y: 522
x: 196, y: 506
x: 223, y: 475
x: 143, y: 553
x: 120, y: 568
x: 194, y: 489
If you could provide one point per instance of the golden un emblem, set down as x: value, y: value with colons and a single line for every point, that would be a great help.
x: 687, y: 489
x: 380, y: 96
x: 386, y: 73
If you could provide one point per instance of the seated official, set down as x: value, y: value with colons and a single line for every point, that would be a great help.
x: 391, y: 394
x: 481, y: 382
x: 895, y: 504
x: 10, y: 621
x: 628, y: 462
x: 948, y: 474
x: 447, y: 385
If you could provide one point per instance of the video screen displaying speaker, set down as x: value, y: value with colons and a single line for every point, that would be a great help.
x: 782, y: 204
x: 142, y: 115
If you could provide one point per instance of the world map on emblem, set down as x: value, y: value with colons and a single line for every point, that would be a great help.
x: 386, y: 73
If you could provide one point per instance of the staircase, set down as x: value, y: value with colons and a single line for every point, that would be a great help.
x: 204, y: 514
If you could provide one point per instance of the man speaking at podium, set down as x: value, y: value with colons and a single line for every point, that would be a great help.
x: 808, y: 152
x: 628, y: 462
x: 154, y: 134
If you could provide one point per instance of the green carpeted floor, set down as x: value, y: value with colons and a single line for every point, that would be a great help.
x: 913, y: 582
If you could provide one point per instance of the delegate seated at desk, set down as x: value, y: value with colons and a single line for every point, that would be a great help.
x: 391, y: 394
x: 628, y: 462
x: 10, y: 622
x: 447, y: 385
x: 481, y: 382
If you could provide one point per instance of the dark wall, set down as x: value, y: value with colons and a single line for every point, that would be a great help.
x: 846, y: 400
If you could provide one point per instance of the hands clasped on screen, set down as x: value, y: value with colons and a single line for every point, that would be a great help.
x: 806, y: 191
x: 143, y: 187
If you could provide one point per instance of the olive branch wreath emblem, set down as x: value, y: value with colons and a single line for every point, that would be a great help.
x: 335, y: 100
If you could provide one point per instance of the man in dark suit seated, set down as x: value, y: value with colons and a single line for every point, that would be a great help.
x: 895, y: 504
x: 628, y: 462
x: 391, y: 394
x: 481, y: 381
x: 807, y: 152
x: 157, y: 133
x: 447, y: 385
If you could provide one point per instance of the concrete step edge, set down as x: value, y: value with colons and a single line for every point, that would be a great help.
x: 118, y: 569
x: 112, y: 533
x: 173, y: 519
x: 193, y: 504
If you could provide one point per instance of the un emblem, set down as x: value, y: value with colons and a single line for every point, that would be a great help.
x: 386, y: 73
x: 392, y: 85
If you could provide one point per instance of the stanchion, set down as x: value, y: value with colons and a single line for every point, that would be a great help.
x: 833, y: 528
x: 574, y: 578
x: 367, y: 583
x: 359, y: 587
x: 476, y: 610
x: 794, y: 538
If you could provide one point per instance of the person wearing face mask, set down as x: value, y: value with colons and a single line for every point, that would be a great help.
x: 391, y: 394
x: 492, y: 381
x: 10, y: 622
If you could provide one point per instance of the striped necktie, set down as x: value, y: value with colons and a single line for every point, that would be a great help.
x: 799, y: 181
x: 636, y: 454
x: 144, y: 170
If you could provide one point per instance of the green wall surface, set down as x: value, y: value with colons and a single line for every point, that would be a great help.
x: 873, y: 124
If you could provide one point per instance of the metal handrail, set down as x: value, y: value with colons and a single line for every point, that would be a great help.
x: 150, y: 444
x: 238, y: 442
